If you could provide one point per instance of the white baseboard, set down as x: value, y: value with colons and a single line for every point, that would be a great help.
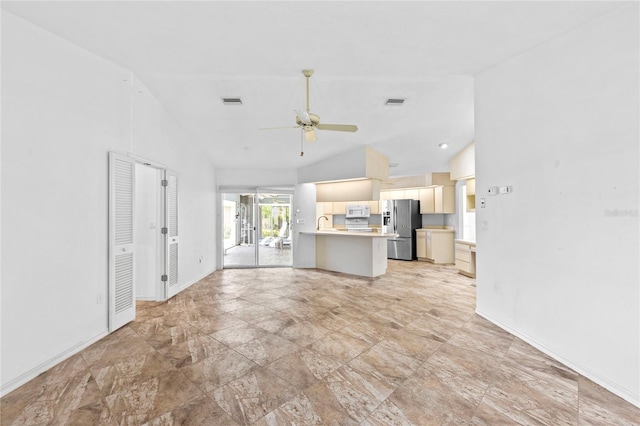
x: 41, y: 368
x: 621, y: 391
x: 52, y: 362
x: 192, y: 282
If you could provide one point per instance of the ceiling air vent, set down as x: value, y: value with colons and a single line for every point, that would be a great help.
x: 232, y: 101
x: 394, y: 102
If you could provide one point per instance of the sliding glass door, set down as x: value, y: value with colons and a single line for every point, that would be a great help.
x: 256, y: 229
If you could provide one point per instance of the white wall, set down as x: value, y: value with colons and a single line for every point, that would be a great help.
x: 304, y: 210
x: 252, y: 178
x: 560, y: 124
x: 63, y: 109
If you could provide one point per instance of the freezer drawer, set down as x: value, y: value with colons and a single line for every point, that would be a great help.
x: 400, y: 248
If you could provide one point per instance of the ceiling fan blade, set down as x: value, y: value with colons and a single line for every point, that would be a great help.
x: 338, y: 127
x: 310, y: 135
x: 275, y: 128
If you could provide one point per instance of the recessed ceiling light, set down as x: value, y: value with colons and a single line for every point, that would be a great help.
x: 443, y: 145
x: 232, y: 101
x: 394, y: 102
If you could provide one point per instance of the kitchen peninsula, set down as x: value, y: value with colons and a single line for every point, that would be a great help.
x: 352, y: 252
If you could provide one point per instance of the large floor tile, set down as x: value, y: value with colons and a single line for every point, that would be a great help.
x: 288, y: 346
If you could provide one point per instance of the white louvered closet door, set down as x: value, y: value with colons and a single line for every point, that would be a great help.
x: 122, y: 307
x: 172, y: 236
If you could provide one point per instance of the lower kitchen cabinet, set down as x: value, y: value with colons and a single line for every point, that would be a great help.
x: 434, y: 245
x: 466, y: 258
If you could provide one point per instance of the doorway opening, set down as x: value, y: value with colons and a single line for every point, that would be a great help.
x: 256, y: 229
x: 143, y: 235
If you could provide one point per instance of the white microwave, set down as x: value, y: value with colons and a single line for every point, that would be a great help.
x: 358, y: 210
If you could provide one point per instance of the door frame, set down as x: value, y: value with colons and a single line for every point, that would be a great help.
x: 163, y: 247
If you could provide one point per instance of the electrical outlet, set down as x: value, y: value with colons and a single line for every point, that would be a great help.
x: 99, y: 298
x: 300, y: 221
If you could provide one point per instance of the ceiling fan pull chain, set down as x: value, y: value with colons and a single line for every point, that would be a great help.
x: 302, y: 143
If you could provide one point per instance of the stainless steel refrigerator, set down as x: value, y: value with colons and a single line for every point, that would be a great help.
x: 401, y: 217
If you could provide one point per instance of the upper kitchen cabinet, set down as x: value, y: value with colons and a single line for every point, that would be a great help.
x: 471, y: 195
x: 435, y: 191
x: 340, y: 207
x: 326, y: 208
x: 438, y: 199
x: 463, y: 164
x: 400, y: 194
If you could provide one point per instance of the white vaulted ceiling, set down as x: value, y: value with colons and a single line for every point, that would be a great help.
x: 191, y: 54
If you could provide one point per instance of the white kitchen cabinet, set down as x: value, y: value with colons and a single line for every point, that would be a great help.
x: 340, y: 207
x: 397, y: 194
x: 445, y: 199
x: 438, y: 200
x: 401, y: 194
x: 411, y: 194
x: 421, y: 244
x: 427, y: 200
x: 327, y: 207
x: 375, y: 207
x: 435, y: 245
x: 466, y: 258
x: 471, y: 195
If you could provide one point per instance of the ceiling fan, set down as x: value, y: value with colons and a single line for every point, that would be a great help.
x: 309, y: 122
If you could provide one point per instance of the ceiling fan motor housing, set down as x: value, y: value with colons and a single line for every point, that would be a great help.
x: 315, y: 120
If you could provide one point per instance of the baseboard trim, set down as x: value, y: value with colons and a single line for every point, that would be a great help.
x: 52, y: 362
x: 192, y: 282
x: 621, y: 391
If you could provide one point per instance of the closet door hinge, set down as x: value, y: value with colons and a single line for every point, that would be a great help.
x: 164, y: 182
x: 164, y: 278
x: 165, y: 230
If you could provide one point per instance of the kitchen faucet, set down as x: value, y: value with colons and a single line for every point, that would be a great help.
x: 318, y: 228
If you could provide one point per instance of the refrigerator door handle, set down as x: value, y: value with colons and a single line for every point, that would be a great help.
x: 395, y: 217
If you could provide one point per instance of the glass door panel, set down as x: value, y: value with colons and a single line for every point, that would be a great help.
x: 256, y: 230
x: 274, y: 230
x: 239, y: 230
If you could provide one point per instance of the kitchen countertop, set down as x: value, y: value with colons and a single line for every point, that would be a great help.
x: 340, y: 233
x: 470, y: 243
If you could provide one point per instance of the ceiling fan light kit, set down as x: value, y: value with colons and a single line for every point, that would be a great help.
x: 309, y: 122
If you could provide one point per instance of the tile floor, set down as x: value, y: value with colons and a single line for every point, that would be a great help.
x: 245, y: 255
x: 305, y: 347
